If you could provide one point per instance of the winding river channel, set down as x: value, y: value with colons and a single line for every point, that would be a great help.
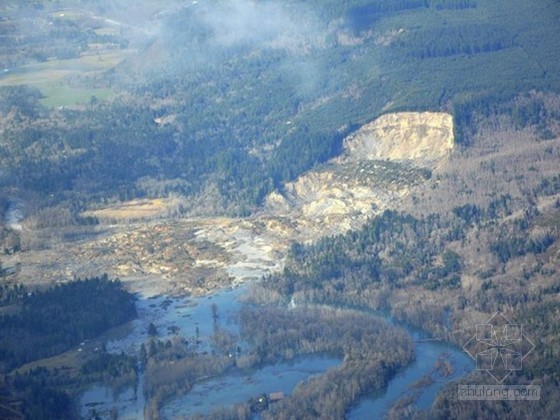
x: 184, y: 316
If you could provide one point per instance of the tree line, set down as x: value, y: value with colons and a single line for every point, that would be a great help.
x: 46, y: 323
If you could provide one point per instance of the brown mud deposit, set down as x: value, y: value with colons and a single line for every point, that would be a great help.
x: 381, y: 164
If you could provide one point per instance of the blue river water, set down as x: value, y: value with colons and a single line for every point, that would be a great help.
x: 428, y: 354
x: 239, y: 387
x: 420, y: 381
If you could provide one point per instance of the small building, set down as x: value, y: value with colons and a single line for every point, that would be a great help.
x: 276, y: 396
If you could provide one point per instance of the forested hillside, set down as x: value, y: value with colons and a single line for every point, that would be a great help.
x: 38, y: 324
x: 482, y: 238
x: 214, y: 105
x: 114, y: 114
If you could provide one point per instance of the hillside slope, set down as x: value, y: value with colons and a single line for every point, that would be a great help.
x: 161, y: 255
x: 197, y: 100
x: 483, y: 237
x: 380, y: 164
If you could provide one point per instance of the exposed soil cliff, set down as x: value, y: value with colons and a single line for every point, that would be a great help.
x: 382, y: 162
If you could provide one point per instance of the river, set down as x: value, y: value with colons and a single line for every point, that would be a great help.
x: 240, y: 387
x: 184, y: 316
x: 406, y: 383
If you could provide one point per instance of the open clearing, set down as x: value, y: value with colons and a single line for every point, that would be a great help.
x: 134, y: 210
x: 56, y: 78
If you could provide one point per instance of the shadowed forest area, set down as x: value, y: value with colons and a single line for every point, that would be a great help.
x: 38, y: 324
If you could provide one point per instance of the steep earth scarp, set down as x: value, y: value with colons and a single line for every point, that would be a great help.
x: 382, y: 163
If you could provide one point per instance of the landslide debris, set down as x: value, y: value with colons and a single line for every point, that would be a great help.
x: 381, y: 164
